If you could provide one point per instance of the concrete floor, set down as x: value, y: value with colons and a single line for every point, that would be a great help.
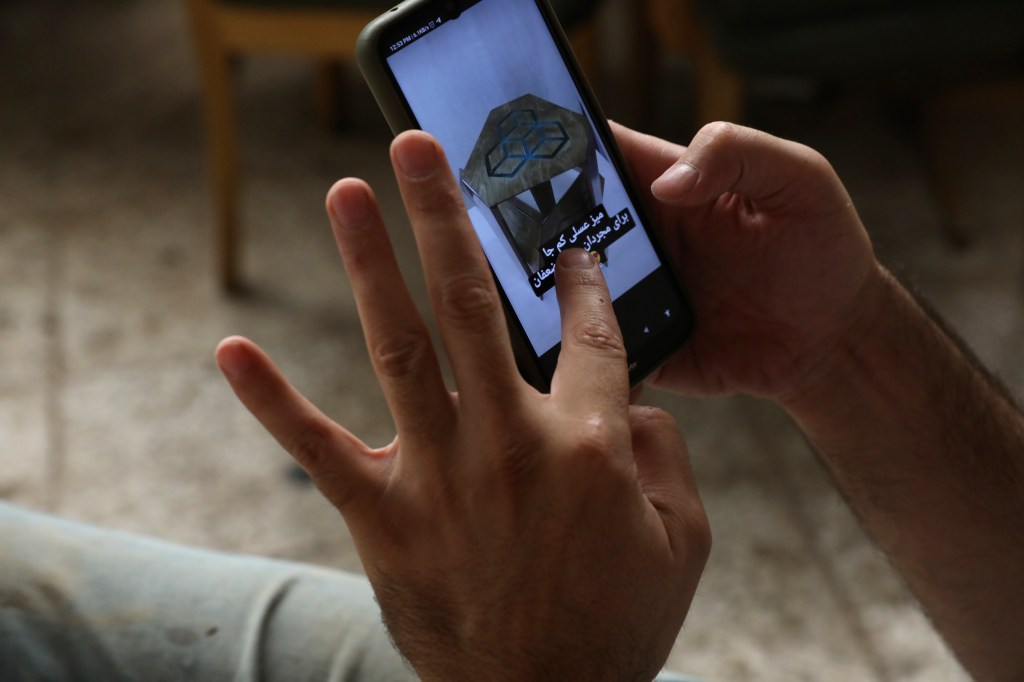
x: 111, y: 410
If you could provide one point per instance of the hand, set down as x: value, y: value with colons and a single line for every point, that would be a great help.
x: 771, y: 251
x: 507, y: 534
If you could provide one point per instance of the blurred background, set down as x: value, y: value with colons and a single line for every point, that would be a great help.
x: 163, y: 165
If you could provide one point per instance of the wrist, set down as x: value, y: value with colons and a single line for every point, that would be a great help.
x: 857, y: 353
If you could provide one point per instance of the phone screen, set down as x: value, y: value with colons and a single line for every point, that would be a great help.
x: 490, y: 82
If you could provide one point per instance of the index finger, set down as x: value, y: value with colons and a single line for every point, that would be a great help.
x: 592, y: 373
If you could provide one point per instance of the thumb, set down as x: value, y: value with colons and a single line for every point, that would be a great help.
x: 647, y: 156
x: 666, y: 478
x: 662, y: 462
x: 726, y: 158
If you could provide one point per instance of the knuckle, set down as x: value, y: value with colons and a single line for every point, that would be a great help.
x: 817, y: 167
x: 595, y: 437
x: 589, y: 280
x: 514, y: 445
x: 690, y: 528
x: 438, y: 200
x: 812, y: 157
x: 598, y: 335
x: 655, y: 420
x: 310, y: 446
x: 518, y: 460
x: 598, y: 433
x: 518, y: 443
x: 698, y: 538
x: 722, y: 140
x: 468, y: 301
x: 401, y: 352
x: 717, y: 133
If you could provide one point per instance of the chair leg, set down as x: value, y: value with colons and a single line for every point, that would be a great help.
x: 215, y: 65
x: 222, y: 143
x: 328, y: 84
x: 942, y: 172
x: 223, y: 163
x: 938, y: 114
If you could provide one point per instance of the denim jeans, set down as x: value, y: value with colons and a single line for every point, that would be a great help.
x: 82, y: 603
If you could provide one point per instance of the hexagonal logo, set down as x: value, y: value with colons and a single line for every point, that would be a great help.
x: 522, y: 139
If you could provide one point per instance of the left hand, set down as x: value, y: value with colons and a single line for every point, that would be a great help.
x: 771, y: 251
x: 507, y: 534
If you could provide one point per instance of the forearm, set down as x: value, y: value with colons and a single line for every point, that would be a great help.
x: 929, y: 450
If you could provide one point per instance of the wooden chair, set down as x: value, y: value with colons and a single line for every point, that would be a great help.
x: 322, y: 30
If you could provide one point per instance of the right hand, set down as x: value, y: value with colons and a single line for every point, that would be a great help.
x: 778, y: 265
x: 508, y: 534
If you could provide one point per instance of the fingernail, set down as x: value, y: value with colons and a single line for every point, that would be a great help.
x: 350, y: 205
x: 232, y: 359
x: 676, y: 182
x: 416, y: 156
x: 577, y: 259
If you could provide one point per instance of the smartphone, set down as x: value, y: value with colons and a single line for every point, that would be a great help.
x: 496, y: 83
